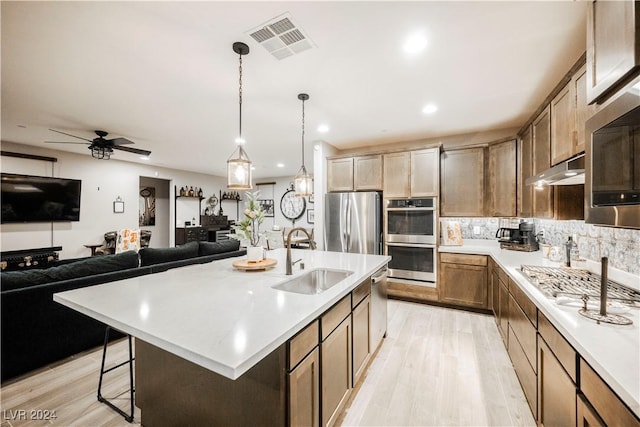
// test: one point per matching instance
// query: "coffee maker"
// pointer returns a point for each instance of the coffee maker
(522, 238)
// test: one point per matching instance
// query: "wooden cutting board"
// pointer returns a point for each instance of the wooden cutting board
(246, 265)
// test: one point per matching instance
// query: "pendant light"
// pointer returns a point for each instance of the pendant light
(239, 165)
(303, 182)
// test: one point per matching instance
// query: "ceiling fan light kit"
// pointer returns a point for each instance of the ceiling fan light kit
(239, 165)
(102, 153)
(100, 147)
(303, 182)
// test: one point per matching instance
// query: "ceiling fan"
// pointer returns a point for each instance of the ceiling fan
(100, 147)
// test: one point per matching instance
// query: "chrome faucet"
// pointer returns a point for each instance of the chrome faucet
(312, 245)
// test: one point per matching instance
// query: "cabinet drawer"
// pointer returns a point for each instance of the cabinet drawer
(463, 259)
(504, 278)
(203, 234)
(525, 373)
(336, 314)
(527, 306)
(303, 343)
(360, 292)
(524, 331)
(563, 351)
(610, 408)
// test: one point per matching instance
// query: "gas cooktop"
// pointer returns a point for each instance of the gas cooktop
(557, 281)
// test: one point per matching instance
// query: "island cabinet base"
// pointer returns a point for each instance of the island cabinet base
(171, 391)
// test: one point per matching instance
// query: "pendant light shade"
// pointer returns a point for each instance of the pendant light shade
(303, 182)
(239, 170)
(239, 165)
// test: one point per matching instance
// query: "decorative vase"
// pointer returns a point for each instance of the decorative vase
(255, 253)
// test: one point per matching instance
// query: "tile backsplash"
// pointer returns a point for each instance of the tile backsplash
(620, 245)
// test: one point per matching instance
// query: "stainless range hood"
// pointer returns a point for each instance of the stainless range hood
(569, 172)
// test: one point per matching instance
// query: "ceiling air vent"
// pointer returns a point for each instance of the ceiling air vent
(281, 37)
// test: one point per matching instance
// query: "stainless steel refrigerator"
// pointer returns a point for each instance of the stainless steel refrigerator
(353, 222)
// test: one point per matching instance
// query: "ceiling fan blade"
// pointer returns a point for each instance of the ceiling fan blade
(132, 150)
(68, 134)
(66, 142)
(119, 141)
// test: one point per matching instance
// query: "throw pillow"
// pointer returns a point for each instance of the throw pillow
(128, 240)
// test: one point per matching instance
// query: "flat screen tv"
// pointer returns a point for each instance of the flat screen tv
(28, 198)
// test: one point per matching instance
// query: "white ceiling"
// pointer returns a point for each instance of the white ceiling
(164, 75)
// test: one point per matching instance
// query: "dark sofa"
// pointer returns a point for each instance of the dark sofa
(37, 331)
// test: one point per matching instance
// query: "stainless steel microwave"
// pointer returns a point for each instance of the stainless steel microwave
(612, 180)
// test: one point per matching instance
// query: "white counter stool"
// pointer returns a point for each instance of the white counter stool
(102, 399)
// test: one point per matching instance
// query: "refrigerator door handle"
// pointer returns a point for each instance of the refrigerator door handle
(348, 224)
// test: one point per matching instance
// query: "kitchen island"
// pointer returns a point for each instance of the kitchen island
(213, 319)
(612, 351)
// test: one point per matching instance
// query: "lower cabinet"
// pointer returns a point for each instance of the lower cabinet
(336, 379)
(361, 338)
(606, 405)
(304, 392)
(586, 415)
(521, 343)
(500, 296)
(304, 377)
(462, 280)
(524, 371)
(556, 390)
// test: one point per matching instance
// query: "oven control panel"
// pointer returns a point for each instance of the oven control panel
(411, 203)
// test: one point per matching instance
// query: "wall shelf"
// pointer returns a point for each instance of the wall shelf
(177, 234)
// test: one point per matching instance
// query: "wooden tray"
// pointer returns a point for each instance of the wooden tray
(246, 265)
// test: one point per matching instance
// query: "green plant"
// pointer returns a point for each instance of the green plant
(249, 228)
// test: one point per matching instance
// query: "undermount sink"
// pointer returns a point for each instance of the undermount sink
(314, 282)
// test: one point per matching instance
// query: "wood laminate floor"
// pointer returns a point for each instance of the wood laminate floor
(437, 367)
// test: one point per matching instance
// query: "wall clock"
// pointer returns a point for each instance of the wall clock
(292, 207)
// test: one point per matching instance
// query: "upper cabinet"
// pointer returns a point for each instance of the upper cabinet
(354, 173)
(397, 174)
(525, 166)
(562, 124)
(569, 114)
(425, 172)
(502, 179)
(462, 182)
(583, 110)
(412, 173)
(541, 160)
(613, 46)
(340, 174)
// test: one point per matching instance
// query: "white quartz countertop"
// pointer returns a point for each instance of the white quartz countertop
(612, 351)
(214, 315)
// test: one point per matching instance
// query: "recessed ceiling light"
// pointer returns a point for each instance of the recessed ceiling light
(430, 109)
(323, 128)
(144, 158)
(415, 43)
(280, 165)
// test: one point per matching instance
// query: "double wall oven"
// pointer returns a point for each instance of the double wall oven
(410, 230)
